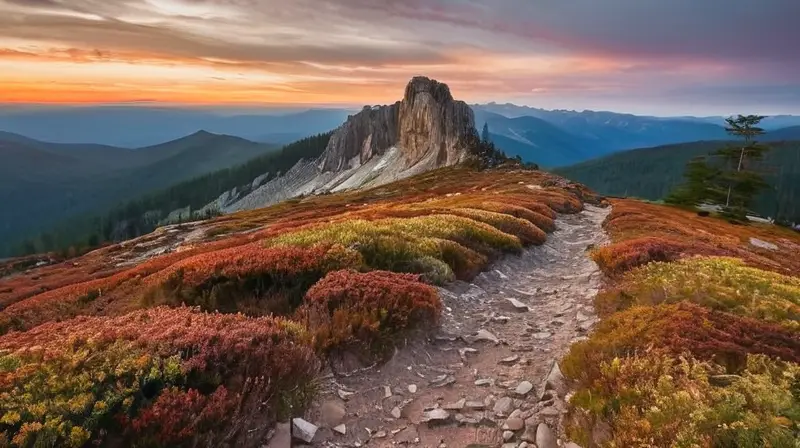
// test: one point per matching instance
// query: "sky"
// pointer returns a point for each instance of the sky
(659, 57)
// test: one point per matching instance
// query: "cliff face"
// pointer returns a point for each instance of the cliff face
(433, 126)
(428, 126)
(367, 134)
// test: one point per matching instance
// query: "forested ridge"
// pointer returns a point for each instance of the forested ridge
(651, 173)
(141, 216)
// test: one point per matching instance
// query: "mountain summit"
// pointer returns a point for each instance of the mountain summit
(427, 129)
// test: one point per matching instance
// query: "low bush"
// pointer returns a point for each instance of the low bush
(725, 284)
(95, 378)
(348, 308)
(408, 245)
(618, 258)
(250, 278)
(660, 401)
(675, 329)
(520, 228)
(544, 221)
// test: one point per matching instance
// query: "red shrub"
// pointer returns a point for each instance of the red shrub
(253, 278)
(675, 329)
(120, 364)
(347, 307)
(229, 346)
(618, 258)
(178, 416)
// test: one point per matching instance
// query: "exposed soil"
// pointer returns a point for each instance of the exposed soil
(553, 285)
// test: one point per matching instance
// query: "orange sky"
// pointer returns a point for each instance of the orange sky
(363, 51)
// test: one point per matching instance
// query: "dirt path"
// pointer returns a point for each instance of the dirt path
(463, 388)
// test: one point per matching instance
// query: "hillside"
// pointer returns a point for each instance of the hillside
(346, 291)
(141, 214)
(651, 173)
(44, 183)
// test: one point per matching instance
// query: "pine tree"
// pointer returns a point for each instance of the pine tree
(743, 183)
(731, 181)
(485, 133)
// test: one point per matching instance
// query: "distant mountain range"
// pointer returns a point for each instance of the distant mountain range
(554, 138)
(135, 126)
(42, 183)
(548, 137)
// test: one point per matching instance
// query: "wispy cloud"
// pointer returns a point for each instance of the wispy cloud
(549, 53)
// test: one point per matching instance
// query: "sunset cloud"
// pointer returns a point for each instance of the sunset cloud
(572, 53)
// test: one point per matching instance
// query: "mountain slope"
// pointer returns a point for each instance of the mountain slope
(783, 134)
(43, 183)
(534, 139)
(651, 173)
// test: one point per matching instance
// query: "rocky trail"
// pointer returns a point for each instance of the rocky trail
(489, 377)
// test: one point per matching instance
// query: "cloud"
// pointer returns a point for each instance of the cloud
(510, 48)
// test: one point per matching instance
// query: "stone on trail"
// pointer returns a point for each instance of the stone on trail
(545, 437)
(475, 405)
(341, 429)
(572, 445)
(508, 435)
(387, 392)
(457, 406)
(396, 412)
(484, 382)
(408, 435)
(504, 406)
(462, 352)
(514, 424)
(486, 335)
(436, 416)
(446, 381)
(412, 388)
(523, 388)
(510, 360)
(518, 306)
(555, 381)
(344, 395)
(303, 430)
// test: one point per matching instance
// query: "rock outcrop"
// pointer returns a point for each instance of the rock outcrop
(433, 126)
(428, 129)
(428, 126)
(364, 135)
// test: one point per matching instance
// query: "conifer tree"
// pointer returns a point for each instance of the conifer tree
(726, 177)
(743, 182)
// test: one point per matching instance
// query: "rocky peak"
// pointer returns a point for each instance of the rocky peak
(428, 127)
(433, 126)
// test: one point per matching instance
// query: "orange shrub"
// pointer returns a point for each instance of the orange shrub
(618, 258)
(349, 308)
